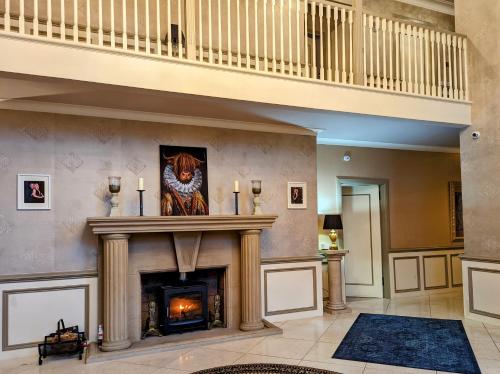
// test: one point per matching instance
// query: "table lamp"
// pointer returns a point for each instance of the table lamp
(333, 222)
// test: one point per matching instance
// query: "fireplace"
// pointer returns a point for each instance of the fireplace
(184, 307)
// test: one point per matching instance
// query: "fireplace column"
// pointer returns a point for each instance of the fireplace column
(115, 271)
(251, 313)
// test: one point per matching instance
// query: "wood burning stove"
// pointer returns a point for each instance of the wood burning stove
(184, 307)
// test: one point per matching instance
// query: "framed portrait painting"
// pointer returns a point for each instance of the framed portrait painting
(33, 192)
(184, 181)
(297, 195)
(456, 212)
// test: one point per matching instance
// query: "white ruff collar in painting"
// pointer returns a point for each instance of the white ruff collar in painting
(172, 182)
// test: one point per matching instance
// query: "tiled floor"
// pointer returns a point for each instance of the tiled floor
(308, 342)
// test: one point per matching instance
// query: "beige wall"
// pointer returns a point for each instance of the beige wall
(407, 12)
(418, 188)
(480, 21)
(80, 152)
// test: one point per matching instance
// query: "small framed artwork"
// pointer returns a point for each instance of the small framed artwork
(456, 212)
(33, 192)
(297, 195)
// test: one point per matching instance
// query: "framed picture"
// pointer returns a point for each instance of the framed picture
(33, 192)
(297, 195)
(456, 212)
(184, 181)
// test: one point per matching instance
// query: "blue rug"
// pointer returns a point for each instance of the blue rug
(422, 343)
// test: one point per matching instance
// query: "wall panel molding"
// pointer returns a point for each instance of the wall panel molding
(417, 272)
(443, 272)
(16, 278)
(472, 301)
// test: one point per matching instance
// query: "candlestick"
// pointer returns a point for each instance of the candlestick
(140, 184)
(236, 210)
(141, 205)
(114, 188)
(236, 186)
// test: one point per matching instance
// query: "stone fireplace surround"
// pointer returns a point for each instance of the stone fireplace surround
(135, 245)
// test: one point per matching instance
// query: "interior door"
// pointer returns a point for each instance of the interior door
(362, 237)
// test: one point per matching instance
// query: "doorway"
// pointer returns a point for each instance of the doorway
(364, 207)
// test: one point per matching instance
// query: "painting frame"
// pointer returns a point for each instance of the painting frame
(28, 194)
(300, 200)
(456, 212)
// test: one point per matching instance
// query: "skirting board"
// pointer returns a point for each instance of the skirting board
(291, 290)
(30, 310)
(481, 285)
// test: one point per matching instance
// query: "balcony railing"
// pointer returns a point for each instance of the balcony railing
(316, 40)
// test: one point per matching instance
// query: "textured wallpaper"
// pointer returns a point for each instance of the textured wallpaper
(80, 152)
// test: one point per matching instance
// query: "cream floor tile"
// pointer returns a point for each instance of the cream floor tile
(334, 334)
(336, 367)
(495, 334)
(323, 352)
(304, 332)
(170, 371)
(489, 366)
(283, 347)
(477, 334)
(242, 346)
(159, 360)
(256, 359)
(485, 350)
(378, 368)
(378, 306)
(200, 358)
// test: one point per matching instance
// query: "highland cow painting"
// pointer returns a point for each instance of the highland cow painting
(184, 181)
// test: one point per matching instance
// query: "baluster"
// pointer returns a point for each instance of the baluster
(314, 69)
(148, 40)
(415, 42)
(75, 21)
(247, 36)
(124, 25)
(179, 29)
(282, 46)
(274, 35)
(391, 82)
(35, 16)
(351, 72)
(100, 31)
(238, 31)
(219, 25)
(210, 50)
(384, 62)
(229, 53)
(62, 23)
(455, 79)
(158, 34)
(336, 35)
(21, 16)
(297, 22)
(370, 27)
(49, 18)
(421, 45)
(7, 15)
(410, 60)
(290, 58)
(397, 83)
(433, 74)
(445, 81)
(438, 65)
(329, 42)
(87, 28)
(377, 47)
(136, 27)
(461, 81)
(112, 22)
(404, 86)
(169, 30)
(306, 38)
(321, 57)
(450, 77)
(344, 68)
(466, 71)
(266, 69)
(365, 71)
(427, 63)
(256, 32)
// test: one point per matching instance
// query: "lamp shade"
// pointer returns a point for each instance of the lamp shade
(332, 222)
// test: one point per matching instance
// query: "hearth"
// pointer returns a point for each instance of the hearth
(184, 307)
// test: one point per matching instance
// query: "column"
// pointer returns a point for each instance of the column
(251, 312)
(115, 271)
(335, 281)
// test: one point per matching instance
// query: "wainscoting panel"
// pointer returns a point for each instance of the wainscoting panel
(292, 290)
(30, 310)
(424, 271)
(481, 284)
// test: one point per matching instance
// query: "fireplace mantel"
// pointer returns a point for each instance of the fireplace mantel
(151, 224)
(187, 232)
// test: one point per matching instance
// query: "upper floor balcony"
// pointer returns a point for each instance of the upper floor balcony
(321, 55)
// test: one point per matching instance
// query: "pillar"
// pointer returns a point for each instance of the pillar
(251, 312)
(335, 281)
(115, 292)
